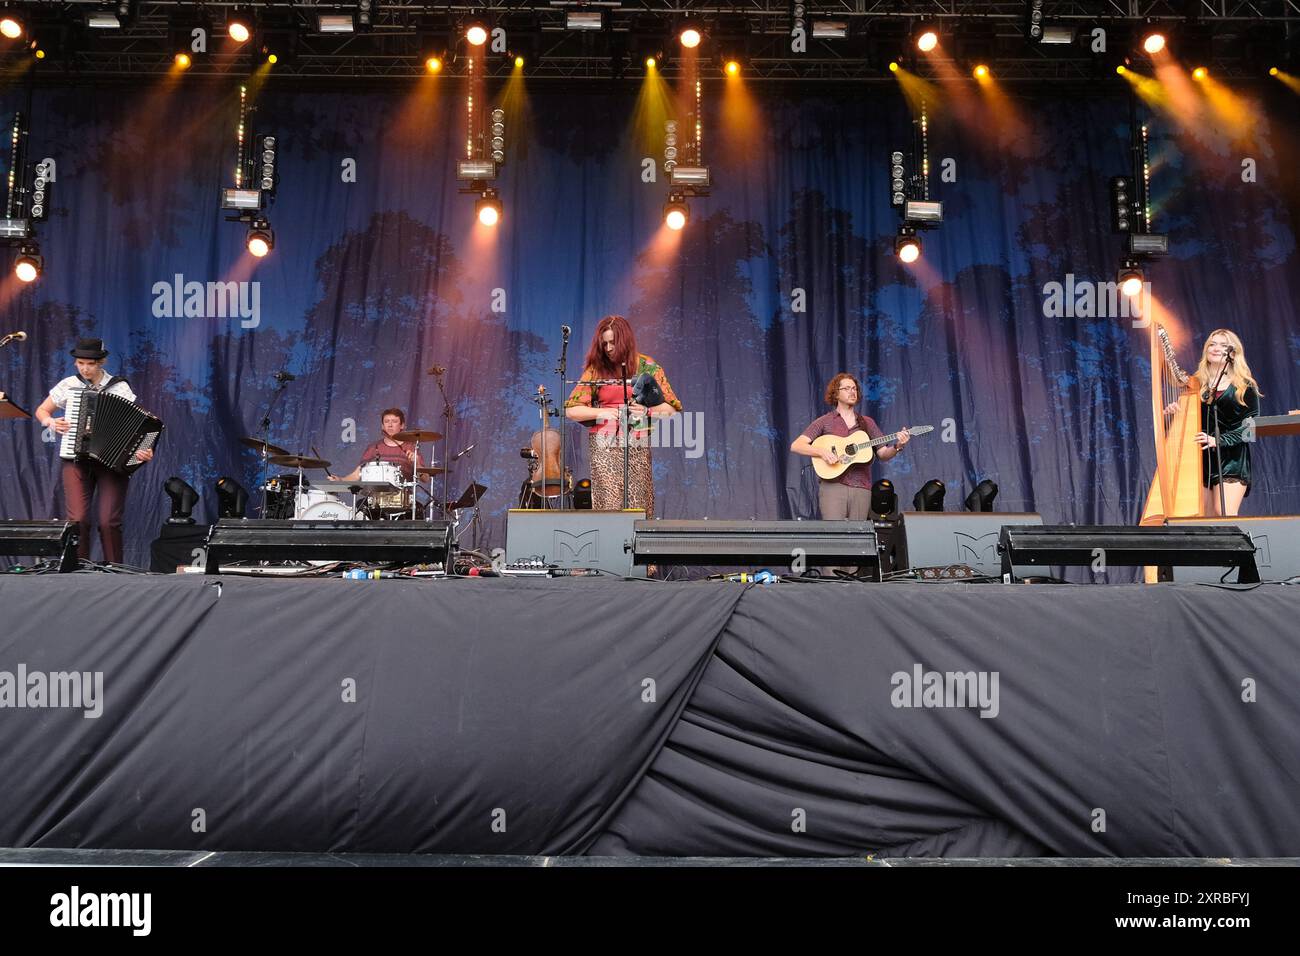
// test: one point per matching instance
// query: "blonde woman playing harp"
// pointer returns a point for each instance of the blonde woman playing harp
(1222, 384)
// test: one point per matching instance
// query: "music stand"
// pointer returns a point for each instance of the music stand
(9, 409)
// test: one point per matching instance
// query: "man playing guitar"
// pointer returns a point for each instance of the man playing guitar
(849, 494)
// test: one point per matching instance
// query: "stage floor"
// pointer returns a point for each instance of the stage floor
(526, 720)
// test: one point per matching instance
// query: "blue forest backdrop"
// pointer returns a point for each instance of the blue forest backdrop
(372, 281)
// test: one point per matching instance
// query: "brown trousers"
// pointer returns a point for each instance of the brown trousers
(80, 479)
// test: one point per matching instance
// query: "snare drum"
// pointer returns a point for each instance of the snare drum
(398, 498)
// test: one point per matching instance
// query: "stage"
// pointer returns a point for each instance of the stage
(606, 718)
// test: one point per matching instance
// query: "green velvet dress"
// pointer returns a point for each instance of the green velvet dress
(1234, 445)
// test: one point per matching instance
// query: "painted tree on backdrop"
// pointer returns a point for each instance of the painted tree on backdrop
(693, 314)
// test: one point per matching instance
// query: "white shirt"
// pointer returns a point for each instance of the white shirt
(59, 393)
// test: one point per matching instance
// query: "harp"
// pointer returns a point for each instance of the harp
(1176, 488)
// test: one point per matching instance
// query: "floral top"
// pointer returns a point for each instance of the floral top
(611, 396)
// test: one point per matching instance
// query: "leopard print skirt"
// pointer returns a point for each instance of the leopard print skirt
(607, 476)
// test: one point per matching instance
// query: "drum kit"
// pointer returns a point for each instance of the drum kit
(380, 494)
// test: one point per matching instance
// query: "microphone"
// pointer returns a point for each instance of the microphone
(283, 377)
(14, 337)
(467, 451)
(566, 331)
(1231, 352)
(436, 370)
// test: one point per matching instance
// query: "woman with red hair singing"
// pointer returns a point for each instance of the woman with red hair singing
(613, 359)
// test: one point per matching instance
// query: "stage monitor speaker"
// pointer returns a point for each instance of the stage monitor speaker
(1118, 546)
(572, 539)
(41, 539)
(940, 539)
(372, 542)
(749, 543)
(1277, 548)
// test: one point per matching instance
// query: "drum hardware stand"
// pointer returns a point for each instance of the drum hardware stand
(280, 386)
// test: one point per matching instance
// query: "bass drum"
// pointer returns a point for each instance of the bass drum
(331, 510)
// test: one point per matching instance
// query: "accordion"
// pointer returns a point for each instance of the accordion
(108, 429)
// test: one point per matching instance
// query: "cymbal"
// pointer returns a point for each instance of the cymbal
(417, 434)
(431, 470)
(256, 445)
(298, 461)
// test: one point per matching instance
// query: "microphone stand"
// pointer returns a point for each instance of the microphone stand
(1218, 454)
(626, 421)
(280, 386)
(437, 374)
(561, 370)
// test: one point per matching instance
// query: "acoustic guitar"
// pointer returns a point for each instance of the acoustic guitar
(856, 449)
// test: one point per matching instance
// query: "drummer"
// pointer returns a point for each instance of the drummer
(386, 449)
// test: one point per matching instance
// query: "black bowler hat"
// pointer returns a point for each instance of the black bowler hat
(90, 349)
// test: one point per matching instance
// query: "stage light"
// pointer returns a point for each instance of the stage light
(1131, 279)
(238, 31)
(923, 210)
(29, 264)
(907, 245)
(930, 497)
(1153, 43)
(884, 500)
(732, 68)
(694, 176)
(183, 60)
(676, 212)
(183, 497)
(488, 208)
(981, 499)
(519, 62)
(1148, 244)
(582, 495)
(897, 184)
(475, 170)
(650, 62)
(690, 38)
(40, 54)
(260, 238)
(893, 66)
(927, 40)
(1121, 205)
(1200, 73)
(336, 23)
(1272, 71)
(584, 20)
(272, 59)
(1034, 20)
(433, 64)
(981, 72)
(11, 28)
(232, 499)
(103, 20)
(1121, 69)
(476, 34)
(830, 29)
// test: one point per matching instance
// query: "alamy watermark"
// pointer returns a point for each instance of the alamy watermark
(82, 690)
(922, 688)
(678, 430)
(208, 300)
(1087, 299)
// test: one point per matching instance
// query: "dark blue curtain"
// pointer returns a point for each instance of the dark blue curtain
(373, 281)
